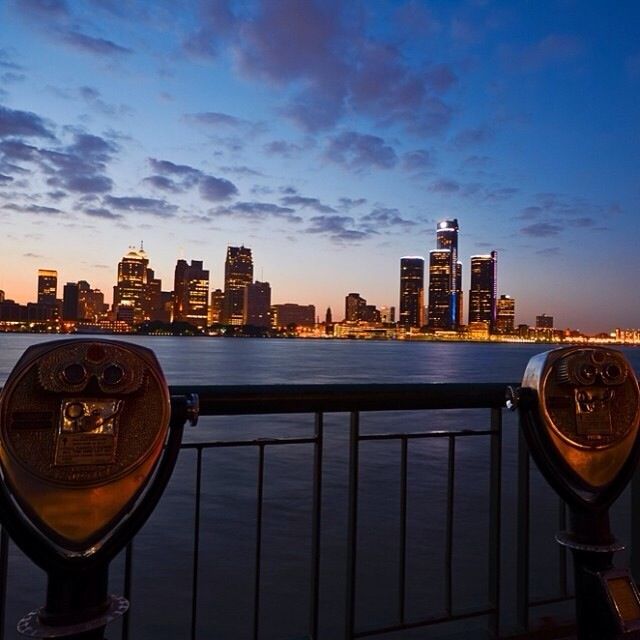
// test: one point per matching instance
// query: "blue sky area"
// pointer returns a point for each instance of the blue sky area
(329, 137)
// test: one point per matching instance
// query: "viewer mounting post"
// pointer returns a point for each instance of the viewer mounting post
(579, 409)
(89, 437)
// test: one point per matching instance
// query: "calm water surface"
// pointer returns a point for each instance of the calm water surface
(164, 549)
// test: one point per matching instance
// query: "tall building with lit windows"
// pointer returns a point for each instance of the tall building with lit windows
(191, 293)
(447, 240)
(238, 274)
(354, 307)
(411, 291)
(483, 292)
(439, 306)
(129, 295)
(47, 286)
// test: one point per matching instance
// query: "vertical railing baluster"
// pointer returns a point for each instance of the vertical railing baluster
(495, 515)
(562, 553)
(128, 568)
(352, 524)
(449, 526)
(4, 568)
(256, 587)
(402, 578)
(522, 571)
(316, 520)
(196, 544)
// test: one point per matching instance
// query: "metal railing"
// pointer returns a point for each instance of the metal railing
(354, 400)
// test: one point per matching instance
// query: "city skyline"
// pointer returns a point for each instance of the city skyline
(429, 295)
(330, 137)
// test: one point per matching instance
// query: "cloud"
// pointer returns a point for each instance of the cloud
(5, 179)
(23, 123)
(351, 203)
(340, 229)
(216, 20)
(359, 151)
(548, 252)
(43, 9)
(171, 168)
(583, 221)
(307, 203)
(386, 217)
(31, 208)
(282, 148)
(257, 211)
(102, 212)
(151, 206)
(164, 184)
(7, 62)
(417, 160)
(216, 189)
(242, 171)
(9, 77)
(94, 100)
(223, 121)
(95, 46)
(80, 166)
(444, 185)
(57, 21)
(327, 63)
(541, 230)
(180, 177)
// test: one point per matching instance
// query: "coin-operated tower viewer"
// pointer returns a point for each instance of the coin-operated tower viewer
(89, 437)
(580, 412)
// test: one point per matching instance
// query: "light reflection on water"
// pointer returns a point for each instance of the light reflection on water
(163, 550)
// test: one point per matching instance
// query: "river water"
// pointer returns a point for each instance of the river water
(163, 550)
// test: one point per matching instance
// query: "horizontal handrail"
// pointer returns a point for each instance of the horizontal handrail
(309, 398)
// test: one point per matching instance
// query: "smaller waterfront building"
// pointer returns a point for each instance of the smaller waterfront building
(285, 315)
(544, 322)
(505, 315)
(257, 304)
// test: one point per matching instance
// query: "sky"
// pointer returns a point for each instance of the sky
(330, 137)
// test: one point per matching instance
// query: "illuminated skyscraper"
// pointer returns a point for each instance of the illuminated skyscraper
(505, 314)
(447, 239)
(439, 309)
(70, 301)
(354, 307)
(238, 274)
(257, 304)
(191, 293)
(411, 292)
(153, 304)
(47, 286)
(216, 306)
(129, 295)
(483, 292)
